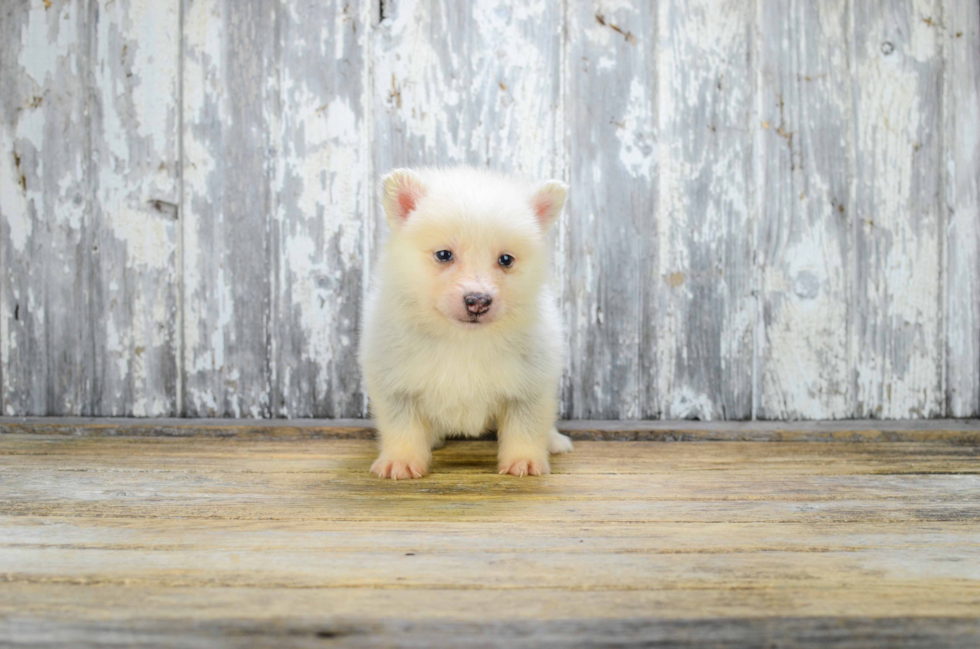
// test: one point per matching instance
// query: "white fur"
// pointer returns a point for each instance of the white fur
(432, 368)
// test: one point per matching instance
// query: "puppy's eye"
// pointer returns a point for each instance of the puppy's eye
(444, 255)
(506, 261)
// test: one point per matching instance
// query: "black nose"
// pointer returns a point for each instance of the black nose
(477, 303)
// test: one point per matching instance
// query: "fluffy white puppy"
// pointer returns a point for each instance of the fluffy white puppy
(462, 332)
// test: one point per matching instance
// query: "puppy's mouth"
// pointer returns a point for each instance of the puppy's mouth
(472, 321)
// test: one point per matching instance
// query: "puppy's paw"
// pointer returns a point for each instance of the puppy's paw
(558, 443)
(396, 469)
(523, 467)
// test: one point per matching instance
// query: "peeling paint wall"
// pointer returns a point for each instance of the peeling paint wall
(774, 208)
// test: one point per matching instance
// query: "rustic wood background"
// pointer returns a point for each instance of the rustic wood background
(774, 208)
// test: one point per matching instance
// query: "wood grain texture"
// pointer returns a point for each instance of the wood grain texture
(322, 191)
(803, 251)
(48, 342)
(962, 122)
(191, 540)
(609, 238)
(134, 150)
(51, 320)
(897, 303)
(706, 313)
(230, 108)
(583, 631)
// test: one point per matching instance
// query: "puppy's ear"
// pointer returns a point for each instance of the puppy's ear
(400, 193)
(547, 202)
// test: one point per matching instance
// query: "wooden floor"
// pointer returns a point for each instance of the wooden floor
(271, 540)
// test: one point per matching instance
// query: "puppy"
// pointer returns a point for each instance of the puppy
(462, 332)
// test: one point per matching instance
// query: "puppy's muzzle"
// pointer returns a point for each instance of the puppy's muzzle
(477, 303)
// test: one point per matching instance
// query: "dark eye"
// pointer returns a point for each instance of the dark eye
(444, 255)
(506, 261)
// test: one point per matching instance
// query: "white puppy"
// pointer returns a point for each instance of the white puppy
(462, 333)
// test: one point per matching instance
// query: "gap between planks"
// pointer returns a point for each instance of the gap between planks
(952, 431)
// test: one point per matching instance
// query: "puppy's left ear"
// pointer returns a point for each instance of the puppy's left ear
(547, 202)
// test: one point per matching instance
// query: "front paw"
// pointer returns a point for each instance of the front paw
(399, 469)
(524, 466)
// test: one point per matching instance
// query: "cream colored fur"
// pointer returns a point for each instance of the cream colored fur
(434, 369)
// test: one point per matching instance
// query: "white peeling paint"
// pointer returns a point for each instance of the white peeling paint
(638, 148)
(899, 363)
(148, 238)
(687, 404)
(705, 84)
(962, 142)
(45, 39)
(13, 199)
(804, 367)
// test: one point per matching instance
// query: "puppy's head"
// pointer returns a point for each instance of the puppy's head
(468, 248)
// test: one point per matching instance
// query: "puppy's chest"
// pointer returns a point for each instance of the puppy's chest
(467, 372)
(461, 388)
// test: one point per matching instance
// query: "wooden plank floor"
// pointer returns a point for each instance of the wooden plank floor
(245, 540)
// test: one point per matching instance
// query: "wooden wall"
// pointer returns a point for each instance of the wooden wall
(774, 208)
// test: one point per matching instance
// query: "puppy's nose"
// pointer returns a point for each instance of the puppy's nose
(477, 303)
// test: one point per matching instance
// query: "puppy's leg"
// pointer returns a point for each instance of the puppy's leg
(405, 442)
(523, 434)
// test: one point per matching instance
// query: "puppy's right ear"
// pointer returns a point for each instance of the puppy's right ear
(400, 193)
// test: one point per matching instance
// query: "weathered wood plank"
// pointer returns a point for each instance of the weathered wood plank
(962, 148)
(897, 303)
(230, 107)
(49, 340)
(490, 568)
(54, 615)
(134, 142)
(201, 479)
(465, 479)
(89, 209)
(706, 315)
(256, 456)
(806, 155)
(322, 203)
(169, 535)
(609, 239)
(933, 455)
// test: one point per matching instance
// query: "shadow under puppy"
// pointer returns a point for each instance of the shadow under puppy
(461, 332)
